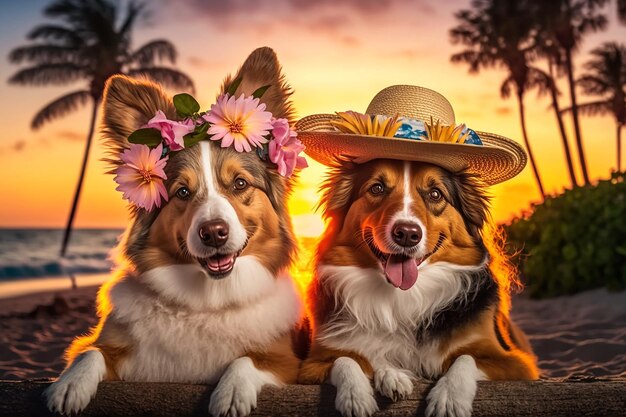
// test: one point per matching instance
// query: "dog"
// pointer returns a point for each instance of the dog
(199, 295)
(406, 286)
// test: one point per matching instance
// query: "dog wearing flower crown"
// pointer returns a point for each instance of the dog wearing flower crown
(408, 282)
(202, 292)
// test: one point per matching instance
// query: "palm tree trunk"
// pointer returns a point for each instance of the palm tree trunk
(559, 119)
(522, 116)
(619, 147)
(572, 91)
(79, 186)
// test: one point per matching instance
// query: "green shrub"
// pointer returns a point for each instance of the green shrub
(574, 241)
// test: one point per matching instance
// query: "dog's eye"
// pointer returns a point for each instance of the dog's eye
(435, 194)
(183, 193)
(240, 184)
(377, 189)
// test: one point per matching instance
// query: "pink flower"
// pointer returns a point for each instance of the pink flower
(285, 147)
(141, 176)
(172, 131)
(242, 121)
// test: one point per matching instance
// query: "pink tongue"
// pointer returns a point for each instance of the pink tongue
(401, 271)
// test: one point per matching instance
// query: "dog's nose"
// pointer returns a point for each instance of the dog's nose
(214, 233)
(406, 234)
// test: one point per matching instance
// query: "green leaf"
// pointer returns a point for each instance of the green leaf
(196, 136)
(186, 105)
(258, 93)
(148, 136)
(234, 85)
(192, 138)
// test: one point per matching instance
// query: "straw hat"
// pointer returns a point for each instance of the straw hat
(494, 158)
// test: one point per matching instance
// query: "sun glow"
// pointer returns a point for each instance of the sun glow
(501, 267)
(308, 229)
(307, 222)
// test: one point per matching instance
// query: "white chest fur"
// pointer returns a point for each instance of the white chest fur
(178, 344)
(379, 321)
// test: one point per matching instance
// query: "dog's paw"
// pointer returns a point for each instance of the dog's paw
(454, 393)
(77, 385)
(233, 399)
(68, 397)
(355, 396)
(355, 401)
(450, 399)
(393, 383)
(236, 393)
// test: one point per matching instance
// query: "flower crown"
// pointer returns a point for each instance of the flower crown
(240, 122)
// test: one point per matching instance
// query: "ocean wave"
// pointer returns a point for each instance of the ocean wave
(32, 253)
(48, 269)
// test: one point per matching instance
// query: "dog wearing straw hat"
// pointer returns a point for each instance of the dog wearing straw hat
(409, 282)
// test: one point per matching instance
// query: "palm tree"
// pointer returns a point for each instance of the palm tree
(546, 83)
(493, 39)
(566, 22)
(606, 78)
(91, 42)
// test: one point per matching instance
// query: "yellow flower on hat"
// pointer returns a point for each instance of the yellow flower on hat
(364, 124)
(438, 133)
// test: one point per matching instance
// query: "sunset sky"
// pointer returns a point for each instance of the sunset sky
(336, 54)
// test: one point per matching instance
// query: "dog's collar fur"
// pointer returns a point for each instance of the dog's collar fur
(362, 298)
(480, 293)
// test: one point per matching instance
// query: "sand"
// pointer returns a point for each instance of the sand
(575, 337)
(35, 331)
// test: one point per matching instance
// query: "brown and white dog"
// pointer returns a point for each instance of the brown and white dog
(403, 288)
(202, 292)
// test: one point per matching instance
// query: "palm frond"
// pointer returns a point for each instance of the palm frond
(465, 33)
(541, 80)
(167, 76)
(93, 20)
(475, 59)
(592, 23)
(46, 53)
(593, 85)
(505, 87)
(55, 32)
(621, 11)
(606, 70)
(492, 40)
(59, 8)
(43, 74)
(97, 19)
(60, 107)
(564, 23)
(133, 12)
(149, 53)
(76, 11)
(594, 108)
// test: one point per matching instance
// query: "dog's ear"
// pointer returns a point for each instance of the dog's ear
(337, 190)
(127, 105)
(472, 201)
(262, 68)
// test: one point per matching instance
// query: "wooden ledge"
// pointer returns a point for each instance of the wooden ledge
(542, 398)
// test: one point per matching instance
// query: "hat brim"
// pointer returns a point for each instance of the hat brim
(497, 160)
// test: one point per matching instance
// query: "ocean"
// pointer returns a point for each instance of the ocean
(34, 253)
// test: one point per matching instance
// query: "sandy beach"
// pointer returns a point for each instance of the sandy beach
(575, 337)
